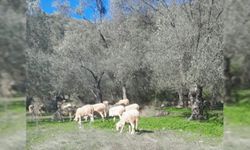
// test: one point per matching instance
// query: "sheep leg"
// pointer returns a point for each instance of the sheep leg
(86, 118)
(105, 113)
(133, 128)
(80, 122)
(129, 128)
(122, 128)
(114, 119)
(101, 116)
(70, 116)
(136, 124)
(92, 118)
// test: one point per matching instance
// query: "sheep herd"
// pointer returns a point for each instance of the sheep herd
(127, 113)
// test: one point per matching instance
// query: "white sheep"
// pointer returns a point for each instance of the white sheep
(105, 102)
(116, 111)
(131, 117)
(123, 102)
(84, 111)
(101, 108)
(132, 106)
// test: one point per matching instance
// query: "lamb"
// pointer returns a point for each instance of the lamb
(131, 117)
(132, 106)
(101, 108)
(123, 102)
(116, 111)
(84, 111)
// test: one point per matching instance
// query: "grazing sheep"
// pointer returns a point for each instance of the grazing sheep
(105, 102)
(123, 102)
(101, 109)
(35, 110)
(116, 111)
(132, 106)
(84, 111)
(131, 117)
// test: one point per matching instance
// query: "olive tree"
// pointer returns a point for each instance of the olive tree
(189, 48)
(81, 58)
(128, 44)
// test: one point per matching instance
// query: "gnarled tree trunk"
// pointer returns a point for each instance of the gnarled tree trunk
(197, 104)
(98, 94)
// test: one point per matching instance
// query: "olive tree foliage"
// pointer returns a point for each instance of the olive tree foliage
(65, 56)
(129, 45)
(188, 47)
(82, 59)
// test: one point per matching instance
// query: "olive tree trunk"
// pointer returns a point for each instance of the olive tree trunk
(183, 98)
(197, 104)
(180, 100)
(97, 92)
(124, 92)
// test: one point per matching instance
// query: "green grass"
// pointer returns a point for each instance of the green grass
(176, 121)
(12, 116)
(37, 132)
(239, 113)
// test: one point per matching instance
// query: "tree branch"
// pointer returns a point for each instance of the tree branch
(99, 80)
(93, 93)
(89, 70)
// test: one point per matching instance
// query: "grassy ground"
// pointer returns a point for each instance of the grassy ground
(238, 114)
(237, 122)
(174, 126)
(12, 124)
(177, 121)
(168, 132)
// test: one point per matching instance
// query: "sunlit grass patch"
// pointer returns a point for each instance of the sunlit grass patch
(238, 113)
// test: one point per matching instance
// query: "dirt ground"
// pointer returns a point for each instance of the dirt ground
(236, 138)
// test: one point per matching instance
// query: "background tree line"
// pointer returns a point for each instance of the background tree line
(146, 48)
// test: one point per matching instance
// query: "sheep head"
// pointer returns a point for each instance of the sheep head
(119, 125)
